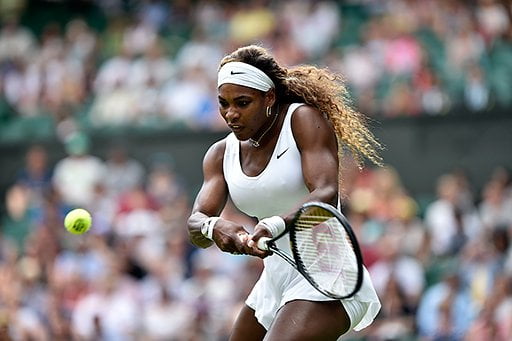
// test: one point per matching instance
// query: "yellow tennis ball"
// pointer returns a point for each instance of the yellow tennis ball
(78, 221)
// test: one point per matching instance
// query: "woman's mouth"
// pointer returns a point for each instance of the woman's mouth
(235, 128)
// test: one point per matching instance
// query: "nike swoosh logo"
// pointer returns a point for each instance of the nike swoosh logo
(281, 154)
(237, 73)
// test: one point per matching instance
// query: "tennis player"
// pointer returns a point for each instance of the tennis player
(289, 128)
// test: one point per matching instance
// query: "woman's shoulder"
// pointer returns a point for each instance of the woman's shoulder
(303, 113)
(308, 124)
(216, 150)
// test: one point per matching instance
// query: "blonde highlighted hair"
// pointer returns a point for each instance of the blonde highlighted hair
(322, 89)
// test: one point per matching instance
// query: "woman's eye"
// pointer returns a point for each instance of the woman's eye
(243, 103)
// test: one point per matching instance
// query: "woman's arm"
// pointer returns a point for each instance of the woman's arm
(210, 201)
(317, 144)
(212, 196)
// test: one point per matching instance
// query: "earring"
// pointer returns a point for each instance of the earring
(269, 112)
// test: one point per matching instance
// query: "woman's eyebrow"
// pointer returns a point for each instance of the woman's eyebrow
(237, 98)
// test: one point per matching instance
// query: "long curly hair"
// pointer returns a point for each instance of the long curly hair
(322, 89)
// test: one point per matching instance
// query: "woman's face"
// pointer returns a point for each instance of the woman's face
(244, 109)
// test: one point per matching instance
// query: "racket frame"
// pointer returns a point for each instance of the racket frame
(297, 263)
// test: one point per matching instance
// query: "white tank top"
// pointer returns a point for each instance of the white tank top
(279, 187)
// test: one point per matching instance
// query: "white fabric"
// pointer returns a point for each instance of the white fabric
(244, 74)
(280, 283)
(275, 190)
(208, 225)
(275, 225)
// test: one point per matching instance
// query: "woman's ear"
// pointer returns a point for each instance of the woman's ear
(270, 97)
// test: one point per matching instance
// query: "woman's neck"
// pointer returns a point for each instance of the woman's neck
(256, 142)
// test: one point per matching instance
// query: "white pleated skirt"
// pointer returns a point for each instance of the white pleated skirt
(280, 283)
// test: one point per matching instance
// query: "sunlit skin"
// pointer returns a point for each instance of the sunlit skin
(244, 109)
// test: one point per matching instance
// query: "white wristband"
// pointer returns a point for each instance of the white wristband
(275, 225)
(208, 225)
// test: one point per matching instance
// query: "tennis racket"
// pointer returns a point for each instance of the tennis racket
(324, 248)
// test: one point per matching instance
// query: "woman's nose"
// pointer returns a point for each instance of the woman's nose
(232, 115)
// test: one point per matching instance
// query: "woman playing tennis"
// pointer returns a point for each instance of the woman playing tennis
(289, 129)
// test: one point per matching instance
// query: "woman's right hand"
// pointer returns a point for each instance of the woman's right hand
(230, 237)
(252, 242)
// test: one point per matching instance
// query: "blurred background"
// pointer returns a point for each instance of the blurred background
(110, 105)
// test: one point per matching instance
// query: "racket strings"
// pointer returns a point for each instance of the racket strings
(326, 251)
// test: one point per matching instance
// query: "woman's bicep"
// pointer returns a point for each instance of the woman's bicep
(211, 197)
(317, 144)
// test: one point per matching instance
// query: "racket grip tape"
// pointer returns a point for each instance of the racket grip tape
(262, 243)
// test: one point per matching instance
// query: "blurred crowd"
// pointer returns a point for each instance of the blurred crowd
(133, 276)
(442, 268)
(155, 61)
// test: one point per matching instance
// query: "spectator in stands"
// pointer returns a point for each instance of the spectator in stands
(492, 18)
(139, 36)
(109, 311)
(114, 72)
(496, 206)
(154, 14)
(477, 95)
(394, 265)
(447, 220)
(251, 21)
(482, 264)
(314, 26)
(17, 223)
(81, 40)
(137, 215)
(16, 41)
(168, 318)
(210, 292)
(123, 173)
(503, 311)
(446, 309)
(188, 99)
(200, 52)
(37, 174)
(396, 318)
(78, 173)
(115, 107)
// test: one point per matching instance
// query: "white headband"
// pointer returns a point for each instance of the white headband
(244, 74)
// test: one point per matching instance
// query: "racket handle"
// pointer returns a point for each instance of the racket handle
(262, 243)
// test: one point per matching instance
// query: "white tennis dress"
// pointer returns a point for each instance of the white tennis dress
(277, 190)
